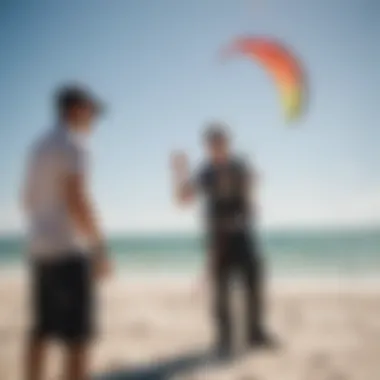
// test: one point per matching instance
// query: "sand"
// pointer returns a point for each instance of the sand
(161, 329)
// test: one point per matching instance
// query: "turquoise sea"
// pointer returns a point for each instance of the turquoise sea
(345, 252)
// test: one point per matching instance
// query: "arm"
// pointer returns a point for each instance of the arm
(81, 209)
(26, 200)
(83, 214)
(26, 193)
(184, 189)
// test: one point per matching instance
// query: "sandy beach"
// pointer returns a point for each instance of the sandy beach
(161, 329)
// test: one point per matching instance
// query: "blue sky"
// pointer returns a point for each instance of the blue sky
(156, 65)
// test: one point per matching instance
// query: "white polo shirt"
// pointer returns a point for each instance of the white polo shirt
(51, 232)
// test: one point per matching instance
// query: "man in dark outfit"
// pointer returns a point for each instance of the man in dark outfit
(226, 183)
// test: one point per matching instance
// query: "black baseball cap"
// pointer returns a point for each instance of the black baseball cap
(216, 131)
(73, 95)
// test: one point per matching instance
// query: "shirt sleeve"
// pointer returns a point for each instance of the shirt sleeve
(76, 159)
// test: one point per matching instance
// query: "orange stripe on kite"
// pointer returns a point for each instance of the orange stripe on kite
(281, 64)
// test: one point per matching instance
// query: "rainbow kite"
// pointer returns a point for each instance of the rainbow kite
(281, 64)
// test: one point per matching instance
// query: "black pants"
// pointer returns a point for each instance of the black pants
(236, 253)
(62, 299)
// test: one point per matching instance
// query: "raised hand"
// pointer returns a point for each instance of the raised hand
(179, 163)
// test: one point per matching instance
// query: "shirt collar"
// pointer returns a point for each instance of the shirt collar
(64, 130)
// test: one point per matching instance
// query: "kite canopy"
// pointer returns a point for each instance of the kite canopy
(281, 64)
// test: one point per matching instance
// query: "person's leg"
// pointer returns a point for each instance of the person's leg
(76, 367)
(221, 300)
(255, 297)
(251, 268)
(36, 344)
(35, 358)
(76, 310)
(222, 311)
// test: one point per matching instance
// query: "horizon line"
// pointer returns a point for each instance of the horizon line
(263, 229)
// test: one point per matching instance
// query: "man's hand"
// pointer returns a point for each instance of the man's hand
(184, 191)
(102, 267)
(180, 165)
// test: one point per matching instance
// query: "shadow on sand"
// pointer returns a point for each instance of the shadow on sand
(163, 370)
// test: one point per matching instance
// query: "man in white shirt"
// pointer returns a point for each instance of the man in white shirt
(66, 246)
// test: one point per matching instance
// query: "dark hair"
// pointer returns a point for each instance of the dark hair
(71, 96)
(216, 131)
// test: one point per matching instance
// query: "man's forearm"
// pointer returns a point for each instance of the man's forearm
(83, 214)
(184, 192)
(183, 189)
(86, 222)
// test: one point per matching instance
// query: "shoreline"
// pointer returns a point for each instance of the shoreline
(183, 281)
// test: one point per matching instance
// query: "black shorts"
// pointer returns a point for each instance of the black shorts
(63, 299)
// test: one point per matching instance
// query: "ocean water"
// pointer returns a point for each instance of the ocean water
(329, 253)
